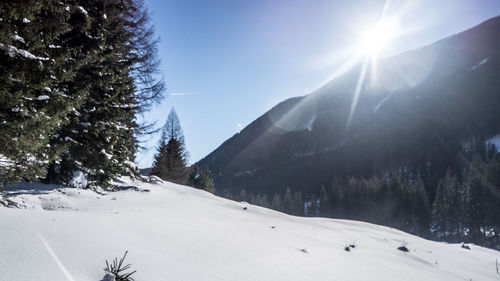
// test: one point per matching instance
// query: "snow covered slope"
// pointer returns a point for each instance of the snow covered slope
(173, 232)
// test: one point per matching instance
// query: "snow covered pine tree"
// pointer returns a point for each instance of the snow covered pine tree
(73, 76)
(40, 52)
(123, 82)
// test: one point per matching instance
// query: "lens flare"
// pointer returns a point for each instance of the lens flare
(378, 38)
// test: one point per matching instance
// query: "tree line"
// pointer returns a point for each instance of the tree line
(465, 207)
(74, 74)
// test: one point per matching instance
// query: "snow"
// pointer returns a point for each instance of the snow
(14, 79)
(5, 162)
(173, 232)
(43, 97)
(18, 38)
(130, 105)
(109, 156)
(79, 180)
(494, 140)
(83, 10)
(25, 20)
(480, 63)
(12, 51)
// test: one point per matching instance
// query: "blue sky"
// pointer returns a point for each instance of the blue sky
(226, 62)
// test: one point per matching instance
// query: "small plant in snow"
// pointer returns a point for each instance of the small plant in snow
(349, 247)
(403, 248)
(118, 269)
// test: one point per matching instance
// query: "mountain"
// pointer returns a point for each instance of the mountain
(174, 232)
(413, 117)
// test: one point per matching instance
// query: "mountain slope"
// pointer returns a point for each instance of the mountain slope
(174, 232)
(427, 100)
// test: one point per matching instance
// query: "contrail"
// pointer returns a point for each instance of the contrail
(56, 259)
(179, 94)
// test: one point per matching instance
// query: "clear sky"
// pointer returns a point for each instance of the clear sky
(226, 62)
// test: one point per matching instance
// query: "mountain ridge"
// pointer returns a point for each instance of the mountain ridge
(406, 82)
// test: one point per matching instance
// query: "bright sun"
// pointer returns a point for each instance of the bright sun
(378, 38)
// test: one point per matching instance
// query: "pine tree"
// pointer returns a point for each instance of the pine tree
(288, 201)
(276, 203)
(421, 210)
(323, 201)
(493, 180)
(202, 179)
(243, 196)
(102, 133)
(476, 198)
(439, 209)
(171, 159)
(298, 204)
(41, 49)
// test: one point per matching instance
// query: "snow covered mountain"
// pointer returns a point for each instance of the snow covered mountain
(174, 232)
(412, 115)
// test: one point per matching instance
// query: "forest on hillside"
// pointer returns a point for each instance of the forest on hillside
(464, 208)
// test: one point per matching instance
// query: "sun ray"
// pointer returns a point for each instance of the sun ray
(357, 91)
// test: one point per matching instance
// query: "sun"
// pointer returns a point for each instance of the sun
(378, 38)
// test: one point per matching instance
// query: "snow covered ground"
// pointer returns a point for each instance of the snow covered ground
(173, 232)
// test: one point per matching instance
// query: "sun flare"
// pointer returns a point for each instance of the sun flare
(378, 38)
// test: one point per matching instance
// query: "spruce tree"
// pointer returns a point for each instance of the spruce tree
(476, 200)
(41, 49)
(298, 204)
(277, 202)
(202, 179)
(439, 209)
(102, 133)
(171, 159)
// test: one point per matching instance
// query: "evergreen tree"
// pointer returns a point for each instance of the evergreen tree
(202, 179)
(298, 204)
(243, 196)
(476, 200)
(323, 201)
(438, 210)
(421, 211)
(171, 159)
(288, 201)
(493, 180)
(102, 134)
(41, 49)
(277, 202)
